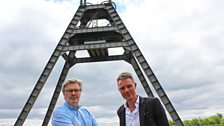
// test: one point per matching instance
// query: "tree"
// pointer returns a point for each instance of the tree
(216, 120)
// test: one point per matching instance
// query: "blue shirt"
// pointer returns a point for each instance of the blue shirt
(66, 115)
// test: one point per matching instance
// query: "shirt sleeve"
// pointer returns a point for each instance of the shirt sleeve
(92, 118)
(61, 118)
(94, 121)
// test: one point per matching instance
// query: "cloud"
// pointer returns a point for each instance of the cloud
(181, 40)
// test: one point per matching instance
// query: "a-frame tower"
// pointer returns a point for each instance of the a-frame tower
(95, 39)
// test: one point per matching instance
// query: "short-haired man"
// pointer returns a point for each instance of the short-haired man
(138, 111)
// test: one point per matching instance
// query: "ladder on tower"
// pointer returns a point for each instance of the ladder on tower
(96, 41)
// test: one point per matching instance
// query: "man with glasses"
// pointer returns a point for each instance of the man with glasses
(71, 113)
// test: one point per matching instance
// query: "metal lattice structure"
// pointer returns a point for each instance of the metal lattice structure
(96, 40)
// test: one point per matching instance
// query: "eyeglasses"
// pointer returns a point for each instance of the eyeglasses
(75, 90)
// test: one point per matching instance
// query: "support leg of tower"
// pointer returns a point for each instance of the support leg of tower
(155, 83)
(140, 75)
(48, 68)
(56, 94)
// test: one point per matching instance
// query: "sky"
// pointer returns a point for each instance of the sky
(182, 41)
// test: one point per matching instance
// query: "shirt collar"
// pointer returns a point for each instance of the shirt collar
(70, 106)
(136, 103)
